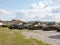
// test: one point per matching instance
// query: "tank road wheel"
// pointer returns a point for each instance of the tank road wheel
(58, 29)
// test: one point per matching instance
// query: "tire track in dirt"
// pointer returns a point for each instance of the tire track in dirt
(43, 36)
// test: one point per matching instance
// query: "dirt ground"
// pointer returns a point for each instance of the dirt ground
(51, 37)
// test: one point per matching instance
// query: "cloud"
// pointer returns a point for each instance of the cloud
(56, 10)
(41, 11)
(40, 6)
(2, 11)
(56, 0)
(57, 17)
(6, 15)
(45, 10)
(24, 14)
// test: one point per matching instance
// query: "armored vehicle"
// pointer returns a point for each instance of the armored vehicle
(35, 26)
(16, 26)
(13, 26)
(21, 25)
(49, 26)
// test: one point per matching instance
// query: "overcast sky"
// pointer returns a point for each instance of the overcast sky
(30, 10)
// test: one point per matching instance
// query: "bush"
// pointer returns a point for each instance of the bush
(4, 26)
(13, 26)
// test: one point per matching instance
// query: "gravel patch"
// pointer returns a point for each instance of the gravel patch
(51, 37)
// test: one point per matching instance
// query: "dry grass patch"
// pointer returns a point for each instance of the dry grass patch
(14, 37)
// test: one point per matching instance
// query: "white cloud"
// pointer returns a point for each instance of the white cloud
(38, 11)
(41, 10)
(2, 11)
(39, 5)
(56, 0)
(6, 15)
(57, 17)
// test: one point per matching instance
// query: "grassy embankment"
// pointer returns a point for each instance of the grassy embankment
(14, 37)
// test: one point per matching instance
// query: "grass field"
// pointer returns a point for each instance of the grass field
(14, 37)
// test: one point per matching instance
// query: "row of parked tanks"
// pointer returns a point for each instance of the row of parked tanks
(36, 26)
